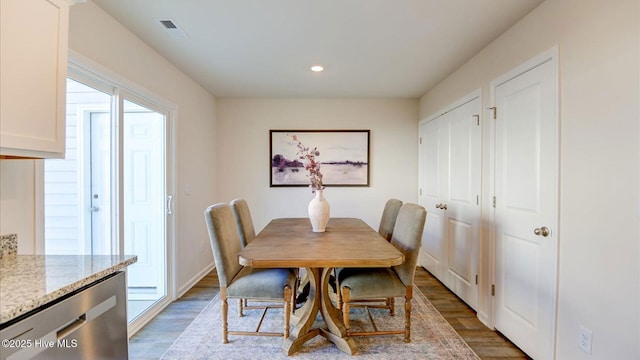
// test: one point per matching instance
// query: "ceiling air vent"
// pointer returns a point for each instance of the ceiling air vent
(172, 28)
(168, 24)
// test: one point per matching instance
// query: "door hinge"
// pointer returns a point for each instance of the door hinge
(477, 119)
(494, 201)
(420, 192)
(476, 279)
(493, 290)
(420, 140)
(477, 199)
(495, 112)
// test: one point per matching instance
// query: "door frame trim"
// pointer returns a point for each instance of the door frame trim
(477, 93)
(550, 55)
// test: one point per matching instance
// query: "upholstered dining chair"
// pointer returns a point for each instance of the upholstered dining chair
(243, 218)
(247, 234)
(362, 284)
(388, 220)
(387, 223)
(240, 282)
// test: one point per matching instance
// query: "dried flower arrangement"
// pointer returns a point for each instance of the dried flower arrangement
(308, 157)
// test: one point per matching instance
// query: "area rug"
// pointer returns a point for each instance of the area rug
(431, 336)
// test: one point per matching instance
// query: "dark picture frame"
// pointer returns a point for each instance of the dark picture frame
(344, 157)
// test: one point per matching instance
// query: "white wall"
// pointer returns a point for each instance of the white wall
(599, 262)
(243, 153)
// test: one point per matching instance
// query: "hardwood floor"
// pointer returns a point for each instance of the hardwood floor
(156, 337)
(488, 344)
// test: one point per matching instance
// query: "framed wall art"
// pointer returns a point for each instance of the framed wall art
(343, 156)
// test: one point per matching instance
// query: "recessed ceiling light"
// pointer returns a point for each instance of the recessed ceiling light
(317, 68)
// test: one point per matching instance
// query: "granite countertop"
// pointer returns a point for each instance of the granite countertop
(30, 281)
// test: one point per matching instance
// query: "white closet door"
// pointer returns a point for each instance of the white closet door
(526, 190)
(433, 163)
(462, 211)
(450, 181)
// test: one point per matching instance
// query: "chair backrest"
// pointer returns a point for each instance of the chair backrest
(243, 218)
(407, 237)
(388, 220)
(225, 241)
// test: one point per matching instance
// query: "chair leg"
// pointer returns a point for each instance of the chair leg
(296, 284)
(224, 306)
(407, 314)
(288, 300)
(339, 296)
(241, 303)
(346, 297)
(391, 303)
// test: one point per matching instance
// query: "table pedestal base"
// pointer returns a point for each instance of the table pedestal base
(319, 300)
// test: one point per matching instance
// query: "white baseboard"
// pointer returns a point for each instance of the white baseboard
(194, 280)
(485, 319)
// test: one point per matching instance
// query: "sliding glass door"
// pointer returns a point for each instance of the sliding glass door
(144, 193)
(108, 196)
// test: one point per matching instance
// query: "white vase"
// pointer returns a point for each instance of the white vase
(319, 212)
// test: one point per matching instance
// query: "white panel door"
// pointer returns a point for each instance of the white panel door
(462, 204)
(526, 190)
(144, 200)
(433, 162)
(450, 183)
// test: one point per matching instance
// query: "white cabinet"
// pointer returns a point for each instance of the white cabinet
(33, 71)
(450, 185)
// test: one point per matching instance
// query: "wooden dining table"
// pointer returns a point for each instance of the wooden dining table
(291, 243)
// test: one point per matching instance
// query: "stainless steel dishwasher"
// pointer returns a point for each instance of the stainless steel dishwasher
(90, 323)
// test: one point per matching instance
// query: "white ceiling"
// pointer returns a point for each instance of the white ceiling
(370, 48)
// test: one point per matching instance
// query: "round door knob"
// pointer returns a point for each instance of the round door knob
(544, 231)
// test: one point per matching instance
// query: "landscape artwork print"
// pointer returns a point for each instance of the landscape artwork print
(343, 156)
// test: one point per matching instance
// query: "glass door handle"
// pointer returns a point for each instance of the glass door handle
(169, 200)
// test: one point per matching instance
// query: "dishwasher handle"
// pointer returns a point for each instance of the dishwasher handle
(73, 326)
(93, 313)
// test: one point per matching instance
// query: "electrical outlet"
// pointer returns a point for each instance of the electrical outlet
(584, 340)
